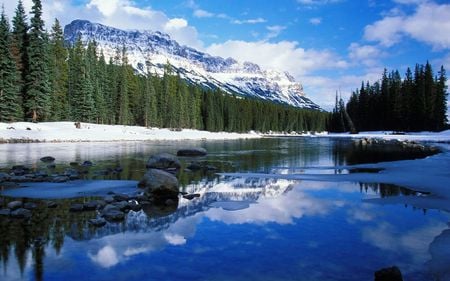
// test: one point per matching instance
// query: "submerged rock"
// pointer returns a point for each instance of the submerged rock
(87, 163)
(30, 205)
(198, 151)
(51, 204)
(14, 205)
(163, 161)
(47, 159)
(5, 212)
(60, 179)
(76, 207)
(120, 197)
(159, 184)
(90, 206)
(112, 213)
(97, 222)
(389, 274)
(21, 213)
(191, 196)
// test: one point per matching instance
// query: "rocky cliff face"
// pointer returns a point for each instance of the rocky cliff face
(149, 52)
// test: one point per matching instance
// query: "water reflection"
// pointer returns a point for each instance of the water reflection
(239, 228)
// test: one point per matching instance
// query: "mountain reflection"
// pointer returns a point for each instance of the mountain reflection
(251, 212)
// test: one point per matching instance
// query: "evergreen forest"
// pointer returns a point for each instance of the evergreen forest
(43, 79)
(418, 102)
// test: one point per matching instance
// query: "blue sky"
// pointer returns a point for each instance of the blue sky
(327, 45)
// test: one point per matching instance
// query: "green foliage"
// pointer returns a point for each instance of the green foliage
(416, 103)
(37, 100)
(58, 68)
(76, 83)
(10, 101)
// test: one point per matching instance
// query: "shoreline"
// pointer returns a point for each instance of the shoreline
(66, 132)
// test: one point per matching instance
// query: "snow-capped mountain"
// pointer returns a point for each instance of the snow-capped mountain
(150, 51)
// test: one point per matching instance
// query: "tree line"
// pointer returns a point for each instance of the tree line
(418, 102)
(44, 79)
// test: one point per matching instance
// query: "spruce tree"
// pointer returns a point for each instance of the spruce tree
(58, 74)
(37, 100)
(10, 109)
(19, 47)
(440, 106)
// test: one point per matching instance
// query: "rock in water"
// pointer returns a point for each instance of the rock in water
(389, 274)
(14, 205)
(112, 213)
(200, 151)
(191, 196)
(21, 213)
(97, 222)
(48, 159)
(77, 207)
(159, 184)
(163, 161)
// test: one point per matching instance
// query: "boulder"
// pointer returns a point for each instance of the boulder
(51, 204)
(30, 205)
(159, 184)
(163, 161)
(120, 197)
(60, 179)
(87, 163)
(17, 178)
(13, 205)
(76, 207)
(48, 159)
(91, 205)
(122, 205)
(134, 206)
(4, 177)
(5, 212)
(388, 274)
(21, 213)
(112, 213)
(194, 152)
(97, 222)
(191, 196)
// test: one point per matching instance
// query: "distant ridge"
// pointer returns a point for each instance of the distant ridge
(150, 51)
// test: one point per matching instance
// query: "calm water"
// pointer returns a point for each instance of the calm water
(239, 229)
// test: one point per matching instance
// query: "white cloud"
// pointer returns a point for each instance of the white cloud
(410, 2)
(300, 62)
(107, 8)
(366, 54)
(249, 21)
(176, 23)
(317, 2)
(106, 257)
(124, 14)
(429, 24)
(199, 13)
(175, 239)
(274, 31)
(283, 55)
(315, 21)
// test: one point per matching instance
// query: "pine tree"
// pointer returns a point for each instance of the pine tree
(10, 109)
(58, 74)
(19, 48)
(440, 106)
(124, 115)
(37, 100)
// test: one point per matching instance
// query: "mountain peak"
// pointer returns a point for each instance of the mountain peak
(149, 51)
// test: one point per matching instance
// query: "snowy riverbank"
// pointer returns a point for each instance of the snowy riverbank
(67, 132)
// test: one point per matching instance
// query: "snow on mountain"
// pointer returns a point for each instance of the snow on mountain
(150, 51)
